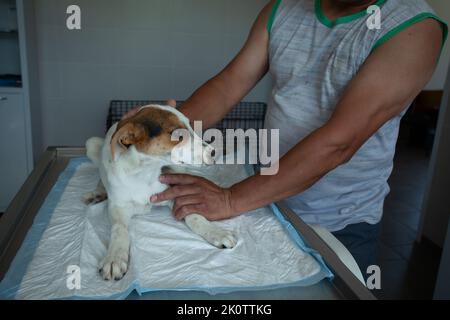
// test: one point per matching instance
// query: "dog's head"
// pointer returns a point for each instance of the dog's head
(152, 131)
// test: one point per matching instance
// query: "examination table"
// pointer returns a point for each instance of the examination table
(347, 282)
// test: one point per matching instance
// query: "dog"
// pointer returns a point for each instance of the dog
(130, 159)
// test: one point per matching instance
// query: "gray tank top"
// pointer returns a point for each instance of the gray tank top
(312, 59)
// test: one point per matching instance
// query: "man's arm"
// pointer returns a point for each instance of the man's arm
(385, 85)
(213, 100)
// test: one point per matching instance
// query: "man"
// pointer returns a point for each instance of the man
(340, 90)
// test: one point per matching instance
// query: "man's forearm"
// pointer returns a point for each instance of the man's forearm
(299, 169)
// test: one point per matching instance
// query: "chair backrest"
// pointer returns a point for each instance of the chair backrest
(244, 115)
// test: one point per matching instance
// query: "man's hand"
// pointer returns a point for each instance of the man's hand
(195, 195)
(132, 112)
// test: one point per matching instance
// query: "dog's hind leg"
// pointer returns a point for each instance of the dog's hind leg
(216, 236)
(115, 264)
(96, 196)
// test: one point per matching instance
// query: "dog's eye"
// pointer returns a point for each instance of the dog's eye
(125, 143)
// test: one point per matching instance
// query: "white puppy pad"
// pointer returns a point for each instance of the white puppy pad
(61, 255)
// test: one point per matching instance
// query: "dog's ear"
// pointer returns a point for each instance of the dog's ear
(126, 135)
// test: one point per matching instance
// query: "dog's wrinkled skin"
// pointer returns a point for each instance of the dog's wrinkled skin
(130, 160)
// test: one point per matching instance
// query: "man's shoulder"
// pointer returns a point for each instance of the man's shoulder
(399, 15)
(395, 12)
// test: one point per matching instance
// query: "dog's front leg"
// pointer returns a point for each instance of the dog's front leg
(216, 236)
(115, 264)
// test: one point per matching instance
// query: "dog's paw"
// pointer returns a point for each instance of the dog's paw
(221, 239)
(114, 266)
(94, 197)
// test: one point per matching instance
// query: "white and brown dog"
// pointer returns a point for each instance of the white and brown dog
(130, 160)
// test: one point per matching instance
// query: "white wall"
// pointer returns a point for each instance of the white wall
(134, 49)
(442, 8)
(141, 49)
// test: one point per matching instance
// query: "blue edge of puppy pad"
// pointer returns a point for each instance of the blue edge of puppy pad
(13, 278)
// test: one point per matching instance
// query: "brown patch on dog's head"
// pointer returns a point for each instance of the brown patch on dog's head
(150, 131)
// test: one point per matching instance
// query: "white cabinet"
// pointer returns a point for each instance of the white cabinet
(17, 91)
(14, 165)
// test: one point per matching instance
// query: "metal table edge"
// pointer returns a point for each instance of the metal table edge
(349, 284)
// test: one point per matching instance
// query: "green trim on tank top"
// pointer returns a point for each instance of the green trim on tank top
(272, 15)
(408, 23)
(345, 19)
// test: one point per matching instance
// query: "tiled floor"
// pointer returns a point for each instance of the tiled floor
(408, 268)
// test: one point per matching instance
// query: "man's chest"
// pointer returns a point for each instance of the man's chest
(311, 55)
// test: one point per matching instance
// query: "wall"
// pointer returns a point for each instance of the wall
(138, 49)
(141, 49)
(442, 8)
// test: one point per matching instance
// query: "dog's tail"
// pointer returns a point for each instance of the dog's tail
(94, 149)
